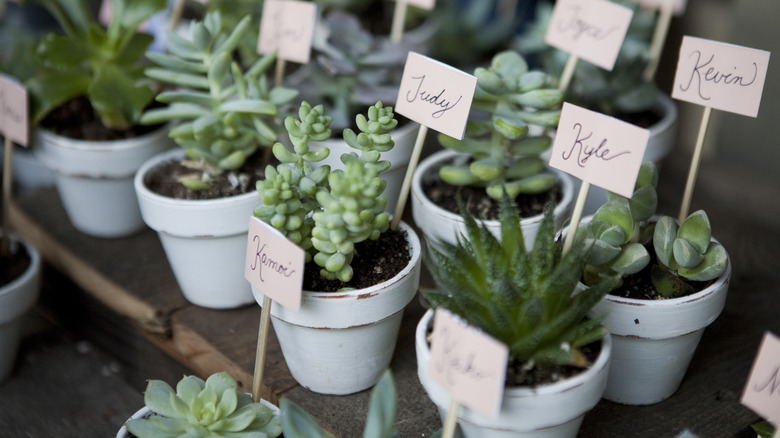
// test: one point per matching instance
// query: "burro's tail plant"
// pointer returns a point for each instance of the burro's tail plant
(505, 155)
(526, 300)
(225, 114)
(327, 212)
(619, 230)
(685, 253)
(210, 409)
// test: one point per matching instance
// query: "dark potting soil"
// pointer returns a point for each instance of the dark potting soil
(516, 375)
(77, 119)
(374, 261)
(482, 206)
(13, 265)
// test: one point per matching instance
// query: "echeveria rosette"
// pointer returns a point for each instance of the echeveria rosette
(504, 155)
(208, 409)
(685, 252)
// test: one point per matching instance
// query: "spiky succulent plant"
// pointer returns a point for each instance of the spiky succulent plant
(685, 252)
(526, 300)
(327, 212)
(225, 114)
(505, 155)
(208, 409)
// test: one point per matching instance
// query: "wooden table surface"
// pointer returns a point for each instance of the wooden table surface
(131, 279)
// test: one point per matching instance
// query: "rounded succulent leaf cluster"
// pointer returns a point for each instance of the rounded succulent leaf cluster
(505, 156)
(209, 409)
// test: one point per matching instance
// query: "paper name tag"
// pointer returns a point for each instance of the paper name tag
(599, 149)
(721, 76)
(762, 391)
(467, 363)
(592, 30)
(435, 95)
(678, 7)
(274, 264)
(425, 4)
(287, 27)
(14, 119)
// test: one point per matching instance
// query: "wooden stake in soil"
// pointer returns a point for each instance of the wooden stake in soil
(576, 216)
(413, 160)
(6, 203)
(568, 73)
(659, 38)
(262, 347)
(176, 11)
(694, 169)
(399, 18)
(451, 420)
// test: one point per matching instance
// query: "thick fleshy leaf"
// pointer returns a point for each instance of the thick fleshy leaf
(712, 266)
(632, 259)
(617, 211)
(686, 254)
(663, 239)
(49, 91)
(298, 423)
(118, 98)
(696, 230)
(380, 421)
(157, 397)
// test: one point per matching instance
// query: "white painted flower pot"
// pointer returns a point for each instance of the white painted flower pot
(341, 342)
(654, 341)
(16, 299)
(28, 172)
(95, 178)
(204, 240)
(554, 410)
(440, 225)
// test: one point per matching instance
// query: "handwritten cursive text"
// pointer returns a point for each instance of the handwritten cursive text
(429, 97)
(585, 151)
(263, 260)
(704, 73)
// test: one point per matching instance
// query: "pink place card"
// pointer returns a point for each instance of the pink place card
(467, 363)
(14, 113)
(287, 26)
(435, 95)
(601, 150)
(677, 9)
(590, 29)
(424, 4)
(762, 391)
(720, 75)
(274, 264)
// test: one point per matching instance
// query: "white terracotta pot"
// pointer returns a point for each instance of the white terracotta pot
(438, 224)
(552, 410)
(28, 172)
(654, 340)
(16, 299)
(95, 178)
(145, 412)
(404, 138)
(341, 342)
(204, 240)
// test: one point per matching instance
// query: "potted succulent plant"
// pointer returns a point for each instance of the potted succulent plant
(674, 280)
(210, 408)
(86, 98)
(622, 92)
(20, 284)
(501, 151)
(344, 334)
(223, 115)
(528, 300)
(354, 66)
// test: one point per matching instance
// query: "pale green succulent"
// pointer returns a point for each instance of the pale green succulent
(225, 114)
(685, 252)
(619, 230)
(327, 212)
(210, 409)
(526, 300)
(504, 154)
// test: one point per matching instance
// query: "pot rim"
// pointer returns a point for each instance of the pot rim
(120, 144)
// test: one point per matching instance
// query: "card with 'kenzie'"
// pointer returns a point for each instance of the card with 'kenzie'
(599, 149)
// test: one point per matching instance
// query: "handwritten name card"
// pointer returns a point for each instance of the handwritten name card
(287, 26)
(13, 110)
(721, 76)
(598, 149)
(592, 30)
(274, 265)
(762, 391)
(435, 95)
(467, 363)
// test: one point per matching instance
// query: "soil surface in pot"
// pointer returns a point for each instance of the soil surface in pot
(76, 119)
(518, 375)
(13, 265)
(374, 261)
(482, 206)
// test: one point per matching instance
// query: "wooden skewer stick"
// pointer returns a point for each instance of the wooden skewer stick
(262, 346)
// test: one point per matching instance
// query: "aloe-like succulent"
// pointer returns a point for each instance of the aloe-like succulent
(619, 230)
(102, 64)
(526, 300)
(209, 409)
(224, 114)
(504, 154)
(685, 252)
(327, 212)
(296, 422)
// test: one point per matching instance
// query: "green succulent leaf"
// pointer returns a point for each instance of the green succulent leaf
(631, 259)
(712, 266)
(663, 239)
(617, 212)
(696, 230)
